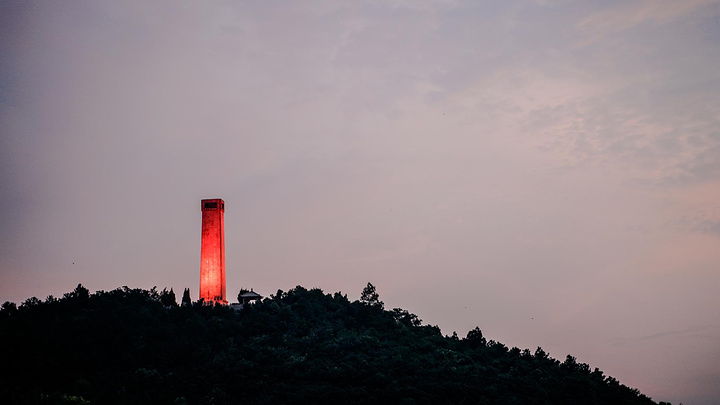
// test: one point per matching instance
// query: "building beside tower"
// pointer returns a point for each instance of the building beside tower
(212, 252)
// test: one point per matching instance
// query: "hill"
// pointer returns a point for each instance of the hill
(299, 346)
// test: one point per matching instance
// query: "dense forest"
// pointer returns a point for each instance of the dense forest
(300, 346)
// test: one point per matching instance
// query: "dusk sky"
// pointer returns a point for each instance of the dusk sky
(546, 170)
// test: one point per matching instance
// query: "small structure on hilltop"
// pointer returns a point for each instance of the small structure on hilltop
(246, 298)
(250, 297)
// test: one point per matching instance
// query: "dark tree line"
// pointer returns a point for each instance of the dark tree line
(300, 346)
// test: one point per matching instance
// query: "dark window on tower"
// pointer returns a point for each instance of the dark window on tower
(222, 206)
(211, 206)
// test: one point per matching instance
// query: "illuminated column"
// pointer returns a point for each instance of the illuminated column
(212, 252)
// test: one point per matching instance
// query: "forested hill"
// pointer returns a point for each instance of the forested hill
(300, 346)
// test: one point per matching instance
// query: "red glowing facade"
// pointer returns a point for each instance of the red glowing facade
(212, 252)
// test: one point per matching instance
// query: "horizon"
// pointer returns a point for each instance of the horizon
(547, 171)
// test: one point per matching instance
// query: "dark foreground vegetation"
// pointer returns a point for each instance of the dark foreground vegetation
(300, 346)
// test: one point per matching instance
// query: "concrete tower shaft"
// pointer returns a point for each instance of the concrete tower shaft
(212, 252)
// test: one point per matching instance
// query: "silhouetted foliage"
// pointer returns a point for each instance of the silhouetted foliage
(370, 297)
(80, 293)
(8, 308)
(186, 301)
(300, 346)
(168, 297)
(475, 338)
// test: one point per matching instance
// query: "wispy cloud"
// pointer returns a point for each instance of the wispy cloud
(630, 14)
(712, 227)
(703, 332)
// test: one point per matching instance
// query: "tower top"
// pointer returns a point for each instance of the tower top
(212, 204)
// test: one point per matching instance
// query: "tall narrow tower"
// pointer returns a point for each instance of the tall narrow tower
(212, 252)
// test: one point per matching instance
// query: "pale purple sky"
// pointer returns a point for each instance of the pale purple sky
(546, 170)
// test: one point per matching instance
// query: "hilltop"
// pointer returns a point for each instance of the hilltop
(299, 346)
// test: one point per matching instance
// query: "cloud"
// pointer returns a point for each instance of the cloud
(702, 332)
(712, 227)
(634, 13)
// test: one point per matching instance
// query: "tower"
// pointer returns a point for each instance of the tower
(212, 252)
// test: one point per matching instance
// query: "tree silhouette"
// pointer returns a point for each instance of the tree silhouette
(475, 337)
(186, 301)
(168, 297)
(370, 297)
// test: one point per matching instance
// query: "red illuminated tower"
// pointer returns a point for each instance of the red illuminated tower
(212, 252)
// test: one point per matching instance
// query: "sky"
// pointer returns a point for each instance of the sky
(546, 170)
